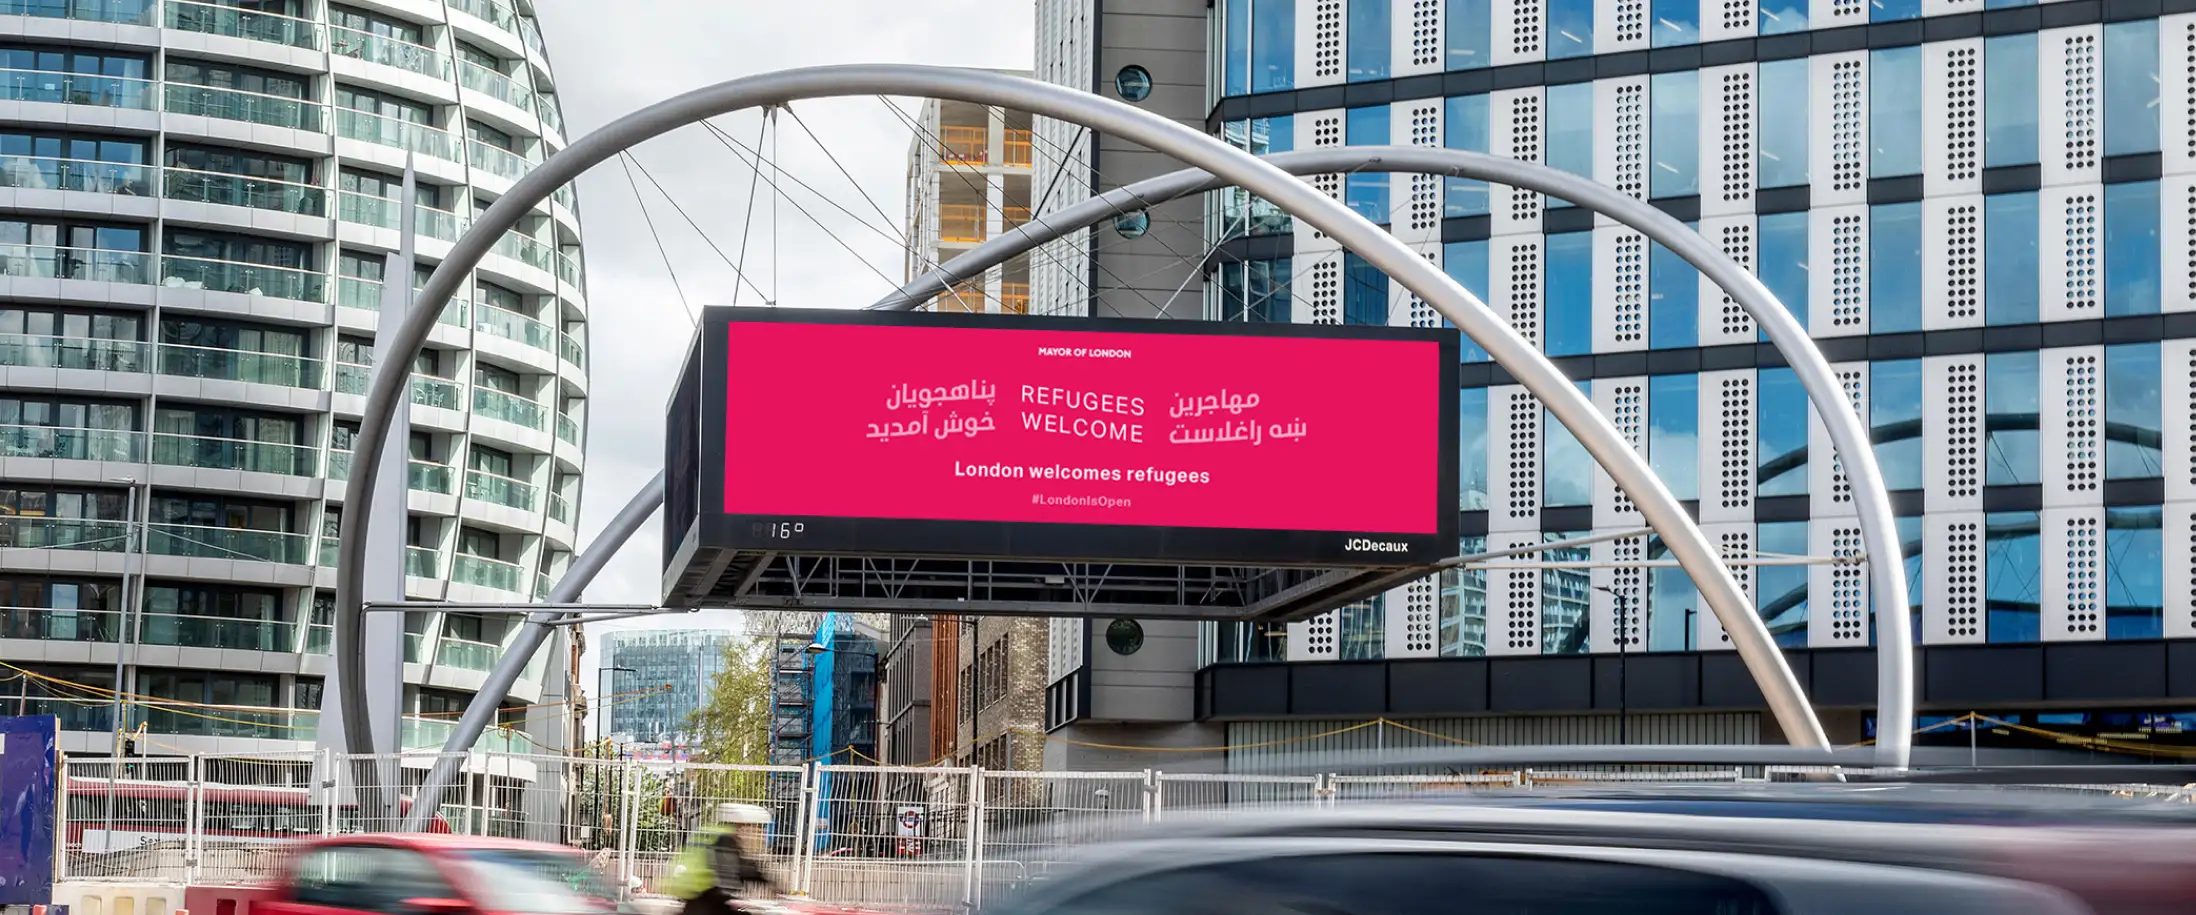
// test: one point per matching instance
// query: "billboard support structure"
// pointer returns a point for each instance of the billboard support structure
(387, 389)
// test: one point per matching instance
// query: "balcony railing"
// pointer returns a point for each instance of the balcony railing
(200, 542)
(382, 49)
(496, 85)
(49, 262)
(559, 508)
(250, 107)
(217, 632)
(77, 89)
(120, 12)
(427, 476)
(511, 408)
(964, 145)
(962, 222)
(466, 655)
(529, 251)
(50, 174)
(248, 279)
(1017, 148)
(93, 354)
(572, 271)
(496, 160)
(352, 378)
(242, 23)
(568, 429)
(239, 365)
(484, 572)
(1010, 217)
(352, 124)
(572, 350)
(551, 115)
(1014, 297)
(491, 12)
(419, 562)
(71, 444)
(429, 391)
(209, 453)
(511, 325)
(21, 532)
(501, 490)
(243, 191)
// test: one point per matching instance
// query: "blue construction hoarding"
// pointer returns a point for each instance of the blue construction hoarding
(30, 767)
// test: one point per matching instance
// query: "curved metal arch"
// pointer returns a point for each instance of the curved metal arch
(1849, 436)
(1660, 509)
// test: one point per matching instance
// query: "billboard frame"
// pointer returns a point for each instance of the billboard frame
(713, 529)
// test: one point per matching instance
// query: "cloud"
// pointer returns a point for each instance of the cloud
(612, 58)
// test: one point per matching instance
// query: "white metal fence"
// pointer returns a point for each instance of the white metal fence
(919, 839)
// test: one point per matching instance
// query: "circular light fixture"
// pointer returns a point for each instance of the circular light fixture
(1133, 83)
(1125, 637)
(1132, 225)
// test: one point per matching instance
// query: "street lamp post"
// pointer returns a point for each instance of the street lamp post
(1624, 642)
(602, 734)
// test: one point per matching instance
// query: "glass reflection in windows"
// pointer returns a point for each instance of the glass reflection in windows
(2133, 428)
(1673, 606)
(1570, 28)
(1675, 22)
(1910, 547)
(1471, 449)
(1782, 239)
(2130, 56)
(1893, 10)
(1367, 192)
(2010, 259)
(1779, 17)
(1895, 421)
(1780, 421)
(1240, 212)
(1466, 263)
(1361, 630)
(1569, 321)
(1253, 291)
(2134, 573)
(1895, 267)
(1364, 292)
(1570, 143)
(1272, 45)
(1464, 605)
(1564, 597)
(1673, 433)
(1235, 26)
(1782, 590)
(2013, 576)
(1673, 298)
(1369, 37)
(1470, 24)
(2010, 110)
(1782, 123)
(1673, 131)
(1567, 471)
(2131, 248)
(1895, 111)
(2010, 403)
(1467, 127)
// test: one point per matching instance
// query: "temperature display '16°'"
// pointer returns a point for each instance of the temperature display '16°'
(780, 530)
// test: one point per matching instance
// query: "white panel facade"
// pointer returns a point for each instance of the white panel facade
(2180, 569)
(2069, 88)
(2177, 241)
(1518, 132)
(1416, 40)
(1318, 130)
(1320, 33)
(1620, 137)
(1952, 262)
(1520, 31)
(2073, 574)
(2071, 433)
(1948, 7)
(1624, 402)
(1838, 13)
(1724, 19)
(1318, 282)
(2177, 94)
(1617, 617)
(2070, 252)
(1829, 493)
(1838, 128)
(1620, 25)
(1954, 609)
(1513, 600)
(1514, 418)
(1417, 216)
(1514, 269)
(1952, 110)
(1727, 115)
(1620, 290)
(1735, 540)
(1722, 320)
(1406, 309)
(1837, 595)
(1837, 278)
(1315, 639)
(1952, 433)
(2177, 403)
(1727, 445)
(1412, 621)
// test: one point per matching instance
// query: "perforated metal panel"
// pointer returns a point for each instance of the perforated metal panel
(1952, 106)
(1952, 264)
(1829, 493)
(1064, 647)
(2177, 387)
(1514, 264)
(1320, 35)
(2180, 569)
(2177, 91)
(2069, 85)
(2071, 381)
(1947, 7)
(1620, 141)
(2073, 574)
(1406, 309)
(1837, 595)
(1610, 632)
(1318, 130)
(1315, 639)
(1838, 128)
(2070, 253)
(1952, 433)
(1722, 320)
(1727, 140)
(2177, 242)
(1518, 132)
(1417, 41)
(1412, 620)
(1624, 402)
(1837, 275)
(1735, 540)
(1722, 19)
(1513, 486)
(1620, 290)
(1727, 445)
(1520, 28)
(1318, 299)
(1418, 218)
(1620, 25)
(1953, 611)
(1838, 13)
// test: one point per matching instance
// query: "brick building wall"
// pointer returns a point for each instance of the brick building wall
(990, 710)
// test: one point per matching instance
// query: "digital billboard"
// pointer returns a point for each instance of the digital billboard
(1062, 438)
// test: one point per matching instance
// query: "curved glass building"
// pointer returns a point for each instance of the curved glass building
(197, 200)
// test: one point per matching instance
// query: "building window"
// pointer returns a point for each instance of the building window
(1782, 124)
(1674, 132)
(2133, 427)
(2010, 403)
(1273, 45)
(1369, 37)
(2130, 87)
(1673, 298)
(1782, 16)
(1364, 292)
(2009, 100)
(1895, 267)
(1470, 24)
(1895, 421)
(1367, 192)
(1673, 606)
(1780, 415)
(1570, 28)
(1570, 283)
(1464, 606)
(1673, 433)
(1133, 83)
(1471, 449)
(1467, 127)
(1565, 624)
(1254, 291)
(1567, 471)
(2010, 262)
(1362, 630)
(1784, 258)
(2131, 248)
(85, 65)
(1235, 49)
(1242, 213)
(1895, 111)
(241, 79)
(1570, 145)
(2134, 573)
(1466, 263)
(1676, 22)
(1893, 10)
(1782, 590)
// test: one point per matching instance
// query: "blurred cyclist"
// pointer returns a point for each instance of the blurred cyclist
(724, 862)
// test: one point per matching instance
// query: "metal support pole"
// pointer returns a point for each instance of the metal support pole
(972, 880)
(628, 821)
(804, 832)
(125, 633)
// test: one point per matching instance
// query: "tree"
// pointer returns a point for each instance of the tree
(733, 724)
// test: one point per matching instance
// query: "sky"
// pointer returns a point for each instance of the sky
(613, 57)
